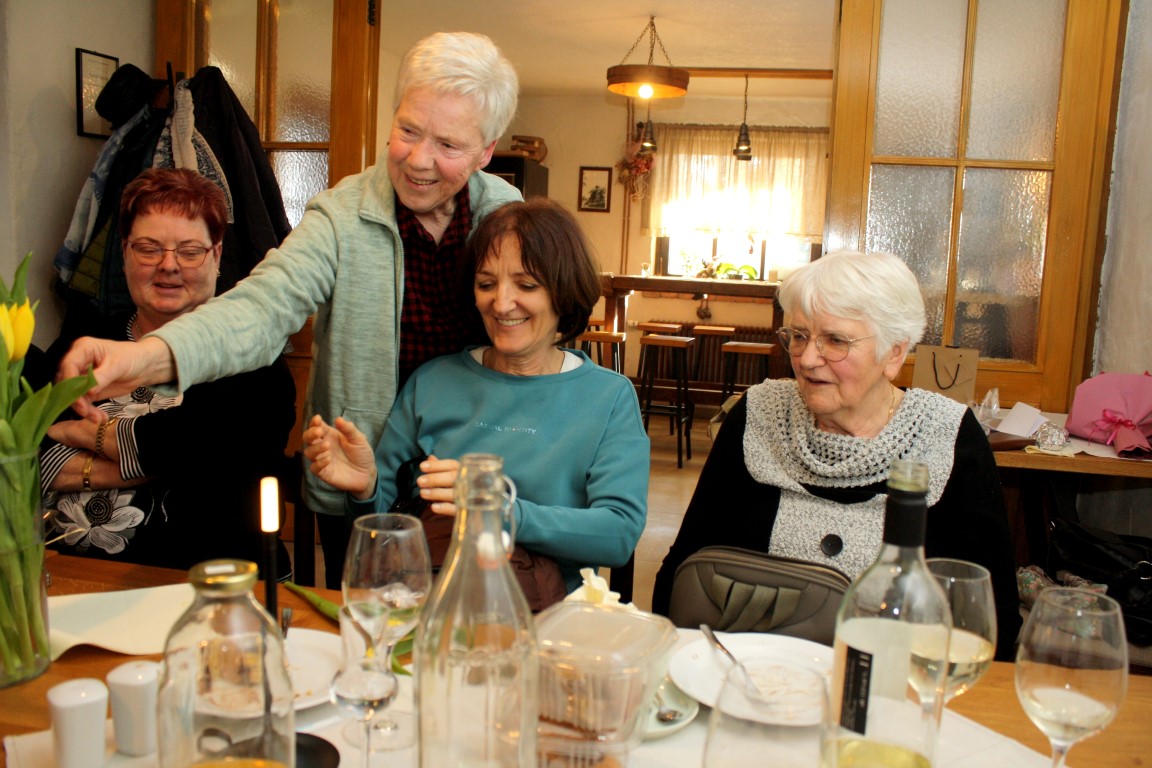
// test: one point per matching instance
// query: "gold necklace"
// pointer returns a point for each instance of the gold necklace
(892, 408)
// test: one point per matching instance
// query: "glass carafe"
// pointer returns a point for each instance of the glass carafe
(476, 647)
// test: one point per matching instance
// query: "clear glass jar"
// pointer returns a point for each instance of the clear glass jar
(225, 695)
(476, 664)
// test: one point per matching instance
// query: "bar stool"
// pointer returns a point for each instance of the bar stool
(708, 337)
(666, 329)
(608, 345)
(680, 408)
(733, 351)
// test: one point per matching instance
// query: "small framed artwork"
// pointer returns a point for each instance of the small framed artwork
(595, 189)
(93, 71)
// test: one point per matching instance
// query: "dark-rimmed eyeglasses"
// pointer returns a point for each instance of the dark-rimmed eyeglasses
(832, 346)
(150, 254)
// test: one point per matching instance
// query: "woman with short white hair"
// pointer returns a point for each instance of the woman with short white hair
(799, 467)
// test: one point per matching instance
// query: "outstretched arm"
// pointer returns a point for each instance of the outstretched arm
(119, 366)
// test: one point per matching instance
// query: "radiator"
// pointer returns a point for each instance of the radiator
(707, 352)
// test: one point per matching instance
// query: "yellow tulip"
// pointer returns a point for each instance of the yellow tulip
(23, 322)
(6, 333)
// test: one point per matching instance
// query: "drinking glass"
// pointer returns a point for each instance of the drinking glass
(968, 587)
(770, 711)
(1072, 666)
(387, 577)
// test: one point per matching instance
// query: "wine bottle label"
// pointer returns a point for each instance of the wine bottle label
(857, 681)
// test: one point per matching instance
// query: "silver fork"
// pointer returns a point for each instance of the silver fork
(285, 619)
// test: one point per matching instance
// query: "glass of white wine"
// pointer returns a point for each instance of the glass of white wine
(1072, 666)
(387, 577)
(968, 587)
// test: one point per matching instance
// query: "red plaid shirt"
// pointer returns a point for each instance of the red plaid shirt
(438, 316)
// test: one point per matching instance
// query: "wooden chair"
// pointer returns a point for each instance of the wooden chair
(680, 408)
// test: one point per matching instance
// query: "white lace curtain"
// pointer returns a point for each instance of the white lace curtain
(697, 184)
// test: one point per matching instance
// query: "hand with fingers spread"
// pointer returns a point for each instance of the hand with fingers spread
(341, 456)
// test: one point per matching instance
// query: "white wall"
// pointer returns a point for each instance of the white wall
(43, 163)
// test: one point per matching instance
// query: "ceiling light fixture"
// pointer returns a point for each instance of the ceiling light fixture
(743, 149)
(648, 81)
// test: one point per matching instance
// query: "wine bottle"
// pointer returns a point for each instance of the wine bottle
(891, 648)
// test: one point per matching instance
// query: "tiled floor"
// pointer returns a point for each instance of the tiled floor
(669, 490)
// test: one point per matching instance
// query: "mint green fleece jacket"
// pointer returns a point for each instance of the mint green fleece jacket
(344, 263)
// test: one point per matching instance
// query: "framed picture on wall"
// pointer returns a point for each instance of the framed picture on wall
(595, 193)
(93, 71)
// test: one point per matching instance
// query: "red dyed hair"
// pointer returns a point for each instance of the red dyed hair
(177, 191)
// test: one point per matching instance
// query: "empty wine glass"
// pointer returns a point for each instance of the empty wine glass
(387, 576)
(1072, 666)
(770, 711)
(968, 587)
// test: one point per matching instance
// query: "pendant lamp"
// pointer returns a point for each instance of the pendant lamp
(648, 81)
(648, 140)
(743, 149)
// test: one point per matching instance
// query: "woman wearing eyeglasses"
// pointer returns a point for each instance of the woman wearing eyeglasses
(799, 467)
(168, 480)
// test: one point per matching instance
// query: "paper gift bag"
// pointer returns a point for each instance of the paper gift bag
(951, 371)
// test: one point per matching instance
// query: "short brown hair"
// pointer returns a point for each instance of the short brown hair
(553, 250)
(179, 191)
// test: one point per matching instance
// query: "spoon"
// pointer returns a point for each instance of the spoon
(664, 713)
(708, 633)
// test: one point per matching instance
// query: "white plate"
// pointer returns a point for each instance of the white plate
(699, 669)
(676, 699)
(313, 660)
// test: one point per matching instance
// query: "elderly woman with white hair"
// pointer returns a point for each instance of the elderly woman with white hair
(799, 467)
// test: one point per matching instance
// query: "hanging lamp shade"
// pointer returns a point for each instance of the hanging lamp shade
(648, 142)
(648, 81)
(743, 150)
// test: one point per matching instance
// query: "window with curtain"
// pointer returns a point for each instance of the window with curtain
(738, 216)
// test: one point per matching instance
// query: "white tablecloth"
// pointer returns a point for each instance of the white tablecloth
(963, 743)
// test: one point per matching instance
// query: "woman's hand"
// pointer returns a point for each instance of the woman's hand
(119, 366)
(74, 433)
(437, 484)
(341, 456)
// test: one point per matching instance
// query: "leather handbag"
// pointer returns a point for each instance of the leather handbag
(1122, 562)
(739, 590)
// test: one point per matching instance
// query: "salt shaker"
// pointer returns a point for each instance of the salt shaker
(132, 693)
(79, 710)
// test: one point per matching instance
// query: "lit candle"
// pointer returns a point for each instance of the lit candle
(270, 524)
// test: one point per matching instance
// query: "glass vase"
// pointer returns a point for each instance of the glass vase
(24, 650)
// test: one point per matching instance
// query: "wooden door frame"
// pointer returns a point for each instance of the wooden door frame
(1089, 92)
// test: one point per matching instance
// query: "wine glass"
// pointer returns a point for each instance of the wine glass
(968, 587)
(770, 711)
(1072, 665)
(387, 577)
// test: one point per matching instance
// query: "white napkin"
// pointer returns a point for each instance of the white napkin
(133, 621)
(595, 590)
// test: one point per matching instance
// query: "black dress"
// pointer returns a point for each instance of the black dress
(204, 452)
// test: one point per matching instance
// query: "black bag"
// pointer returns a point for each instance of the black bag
(1122, 562)
(739, 590)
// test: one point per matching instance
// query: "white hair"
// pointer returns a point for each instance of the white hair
(465, 64)
(876, 288)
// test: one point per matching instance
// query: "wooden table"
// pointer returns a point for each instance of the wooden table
(24, 707)
(992, 703)
(617, 289)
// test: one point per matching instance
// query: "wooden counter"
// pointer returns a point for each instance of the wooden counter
(617, 289)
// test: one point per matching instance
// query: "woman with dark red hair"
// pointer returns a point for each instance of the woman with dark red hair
(168, 480)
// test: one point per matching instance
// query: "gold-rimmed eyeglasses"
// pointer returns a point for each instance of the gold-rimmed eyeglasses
(150, 254)
(832, 346)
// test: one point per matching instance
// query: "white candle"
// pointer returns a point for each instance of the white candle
(269, 505)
